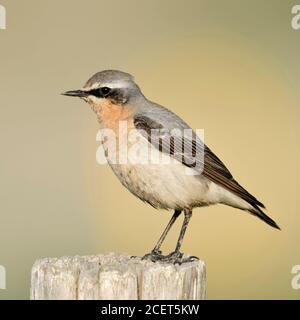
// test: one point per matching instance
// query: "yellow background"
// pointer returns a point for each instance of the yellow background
(229, 67)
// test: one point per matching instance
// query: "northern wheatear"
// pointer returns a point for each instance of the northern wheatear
(194, 177)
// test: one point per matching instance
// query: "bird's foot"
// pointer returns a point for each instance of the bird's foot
(177, 257)
(154, 255)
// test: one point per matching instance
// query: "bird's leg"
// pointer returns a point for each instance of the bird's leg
(166, 231)
(177, 256)
(155, 254)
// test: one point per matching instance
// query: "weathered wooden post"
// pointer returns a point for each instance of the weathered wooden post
(113, 276)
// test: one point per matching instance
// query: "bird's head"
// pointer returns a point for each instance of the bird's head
(108, 86)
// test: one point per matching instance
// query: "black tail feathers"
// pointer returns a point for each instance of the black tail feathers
(261, 215)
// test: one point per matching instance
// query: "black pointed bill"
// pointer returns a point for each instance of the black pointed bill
(76, 93)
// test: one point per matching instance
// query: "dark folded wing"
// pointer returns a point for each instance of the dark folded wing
(190, 151)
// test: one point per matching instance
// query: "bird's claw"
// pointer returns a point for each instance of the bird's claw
(154, 255)
(179, 258)
(175, 257)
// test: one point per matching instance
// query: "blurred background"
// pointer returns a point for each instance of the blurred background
(228, 67)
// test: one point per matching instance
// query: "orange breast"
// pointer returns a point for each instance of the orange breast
(117, 118)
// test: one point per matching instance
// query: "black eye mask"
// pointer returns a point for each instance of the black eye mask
(101, 92)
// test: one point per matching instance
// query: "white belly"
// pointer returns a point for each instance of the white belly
(163, 186)
(159, 180)
(168, 184)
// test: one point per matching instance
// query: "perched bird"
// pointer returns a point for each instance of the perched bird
(191, 178)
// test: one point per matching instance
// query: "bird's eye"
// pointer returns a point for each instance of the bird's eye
(105, 91)
(101, 92)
